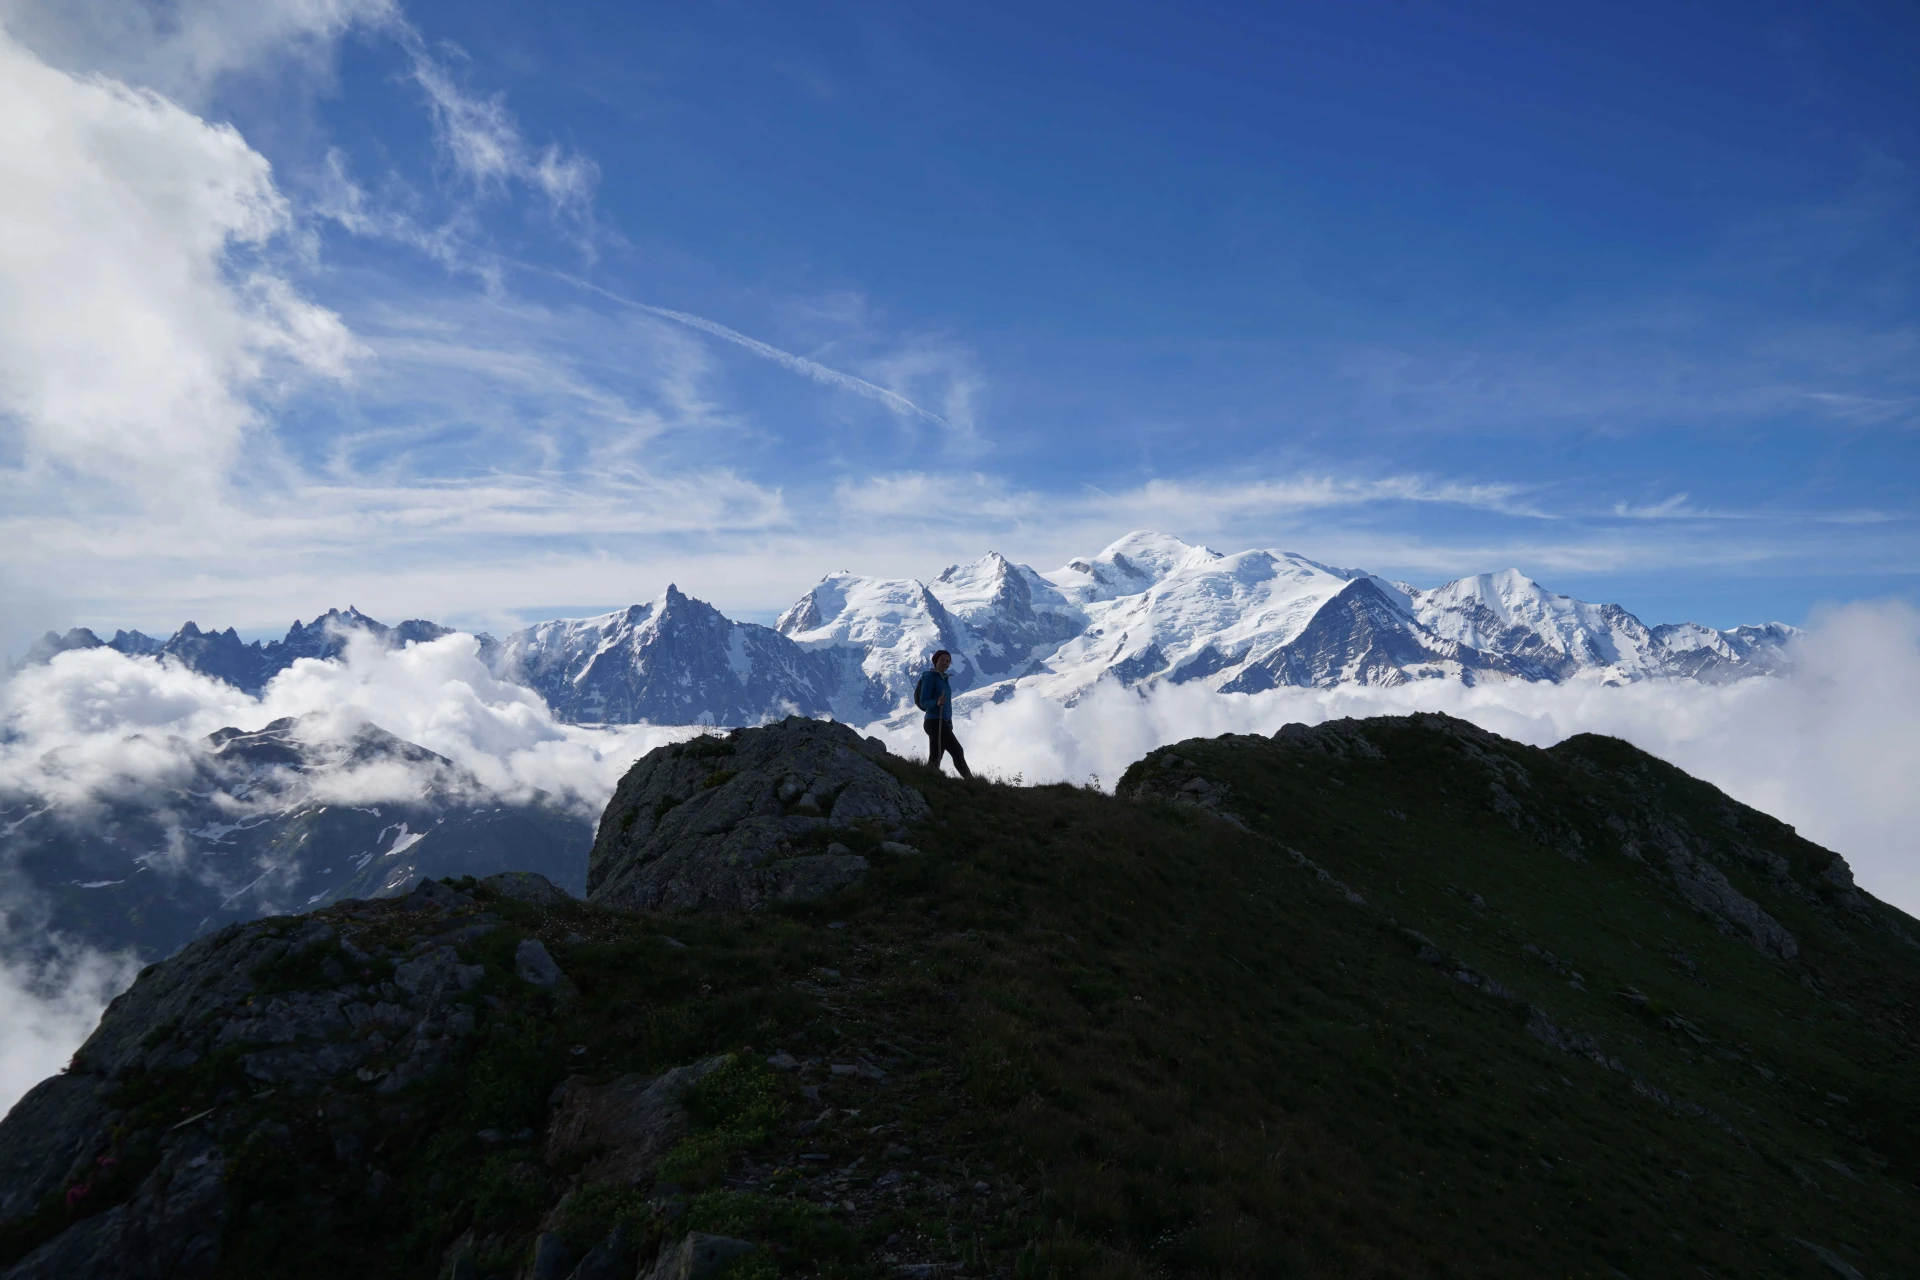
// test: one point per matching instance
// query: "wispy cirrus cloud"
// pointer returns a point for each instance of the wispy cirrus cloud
(482, 139)
(1184, 504)
(1681, 507)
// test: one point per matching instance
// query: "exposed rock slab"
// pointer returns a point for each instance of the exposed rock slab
(732, 824)
(698, 1257)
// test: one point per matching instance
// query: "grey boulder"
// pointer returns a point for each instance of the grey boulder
(527, 886)
(533, 964)
(731, 824)
(623, 1127)
(614, 1258)
(698, 1257)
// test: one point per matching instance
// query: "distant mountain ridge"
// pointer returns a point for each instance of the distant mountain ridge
(224, 656)
(1148, 610)
(266, 821)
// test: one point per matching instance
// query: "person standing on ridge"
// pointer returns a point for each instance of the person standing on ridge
(934, 696)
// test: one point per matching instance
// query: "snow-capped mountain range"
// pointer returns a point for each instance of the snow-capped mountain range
(1148, 610)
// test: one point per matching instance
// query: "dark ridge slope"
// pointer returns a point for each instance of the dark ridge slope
(1385, 998)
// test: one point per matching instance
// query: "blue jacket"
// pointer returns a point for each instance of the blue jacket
(927, 694)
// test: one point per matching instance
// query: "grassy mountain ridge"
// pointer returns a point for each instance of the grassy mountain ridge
(1390, 997)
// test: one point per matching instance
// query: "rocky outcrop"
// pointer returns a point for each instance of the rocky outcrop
(1704, 886)
(747, 820)
(1174, 779)
(350, 1007)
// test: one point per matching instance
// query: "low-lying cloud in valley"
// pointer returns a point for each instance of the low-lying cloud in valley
(1828, 748)
(49, 1006)
(95, 719)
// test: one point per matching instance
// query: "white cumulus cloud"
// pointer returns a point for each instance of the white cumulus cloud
(183, 48)
(138, 311)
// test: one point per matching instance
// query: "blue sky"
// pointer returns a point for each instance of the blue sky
(537, 308)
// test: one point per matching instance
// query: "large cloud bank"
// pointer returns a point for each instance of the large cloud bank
(1830, 749)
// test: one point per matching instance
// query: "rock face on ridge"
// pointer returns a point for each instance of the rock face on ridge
(742, 821)
(1640, 824)
(307, 1041)
(375, 996)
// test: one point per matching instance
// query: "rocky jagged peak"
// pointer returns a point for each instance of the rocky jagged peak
(679, 608)
(756, 817)
(52, 643)
(802, 615)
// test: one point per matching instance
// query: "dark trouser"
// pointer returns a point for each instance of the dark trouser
(940, 738)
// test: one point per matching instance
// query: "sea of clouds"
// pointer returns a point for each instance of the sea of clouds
(1830, 748)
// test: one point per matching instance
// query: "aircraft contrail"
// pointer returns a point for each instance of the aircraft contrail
(785, 359)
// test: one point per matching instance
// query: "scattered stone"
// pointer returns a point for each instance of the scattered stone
(898, 850)
(1341, 739)
(527, 886)
(698, 1257)
(431, 895)
(783, 1061)
(1321, 874)
(533, 964)
(553, 1258)
(436, 972)
(624, 1125)
(614, 1258)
